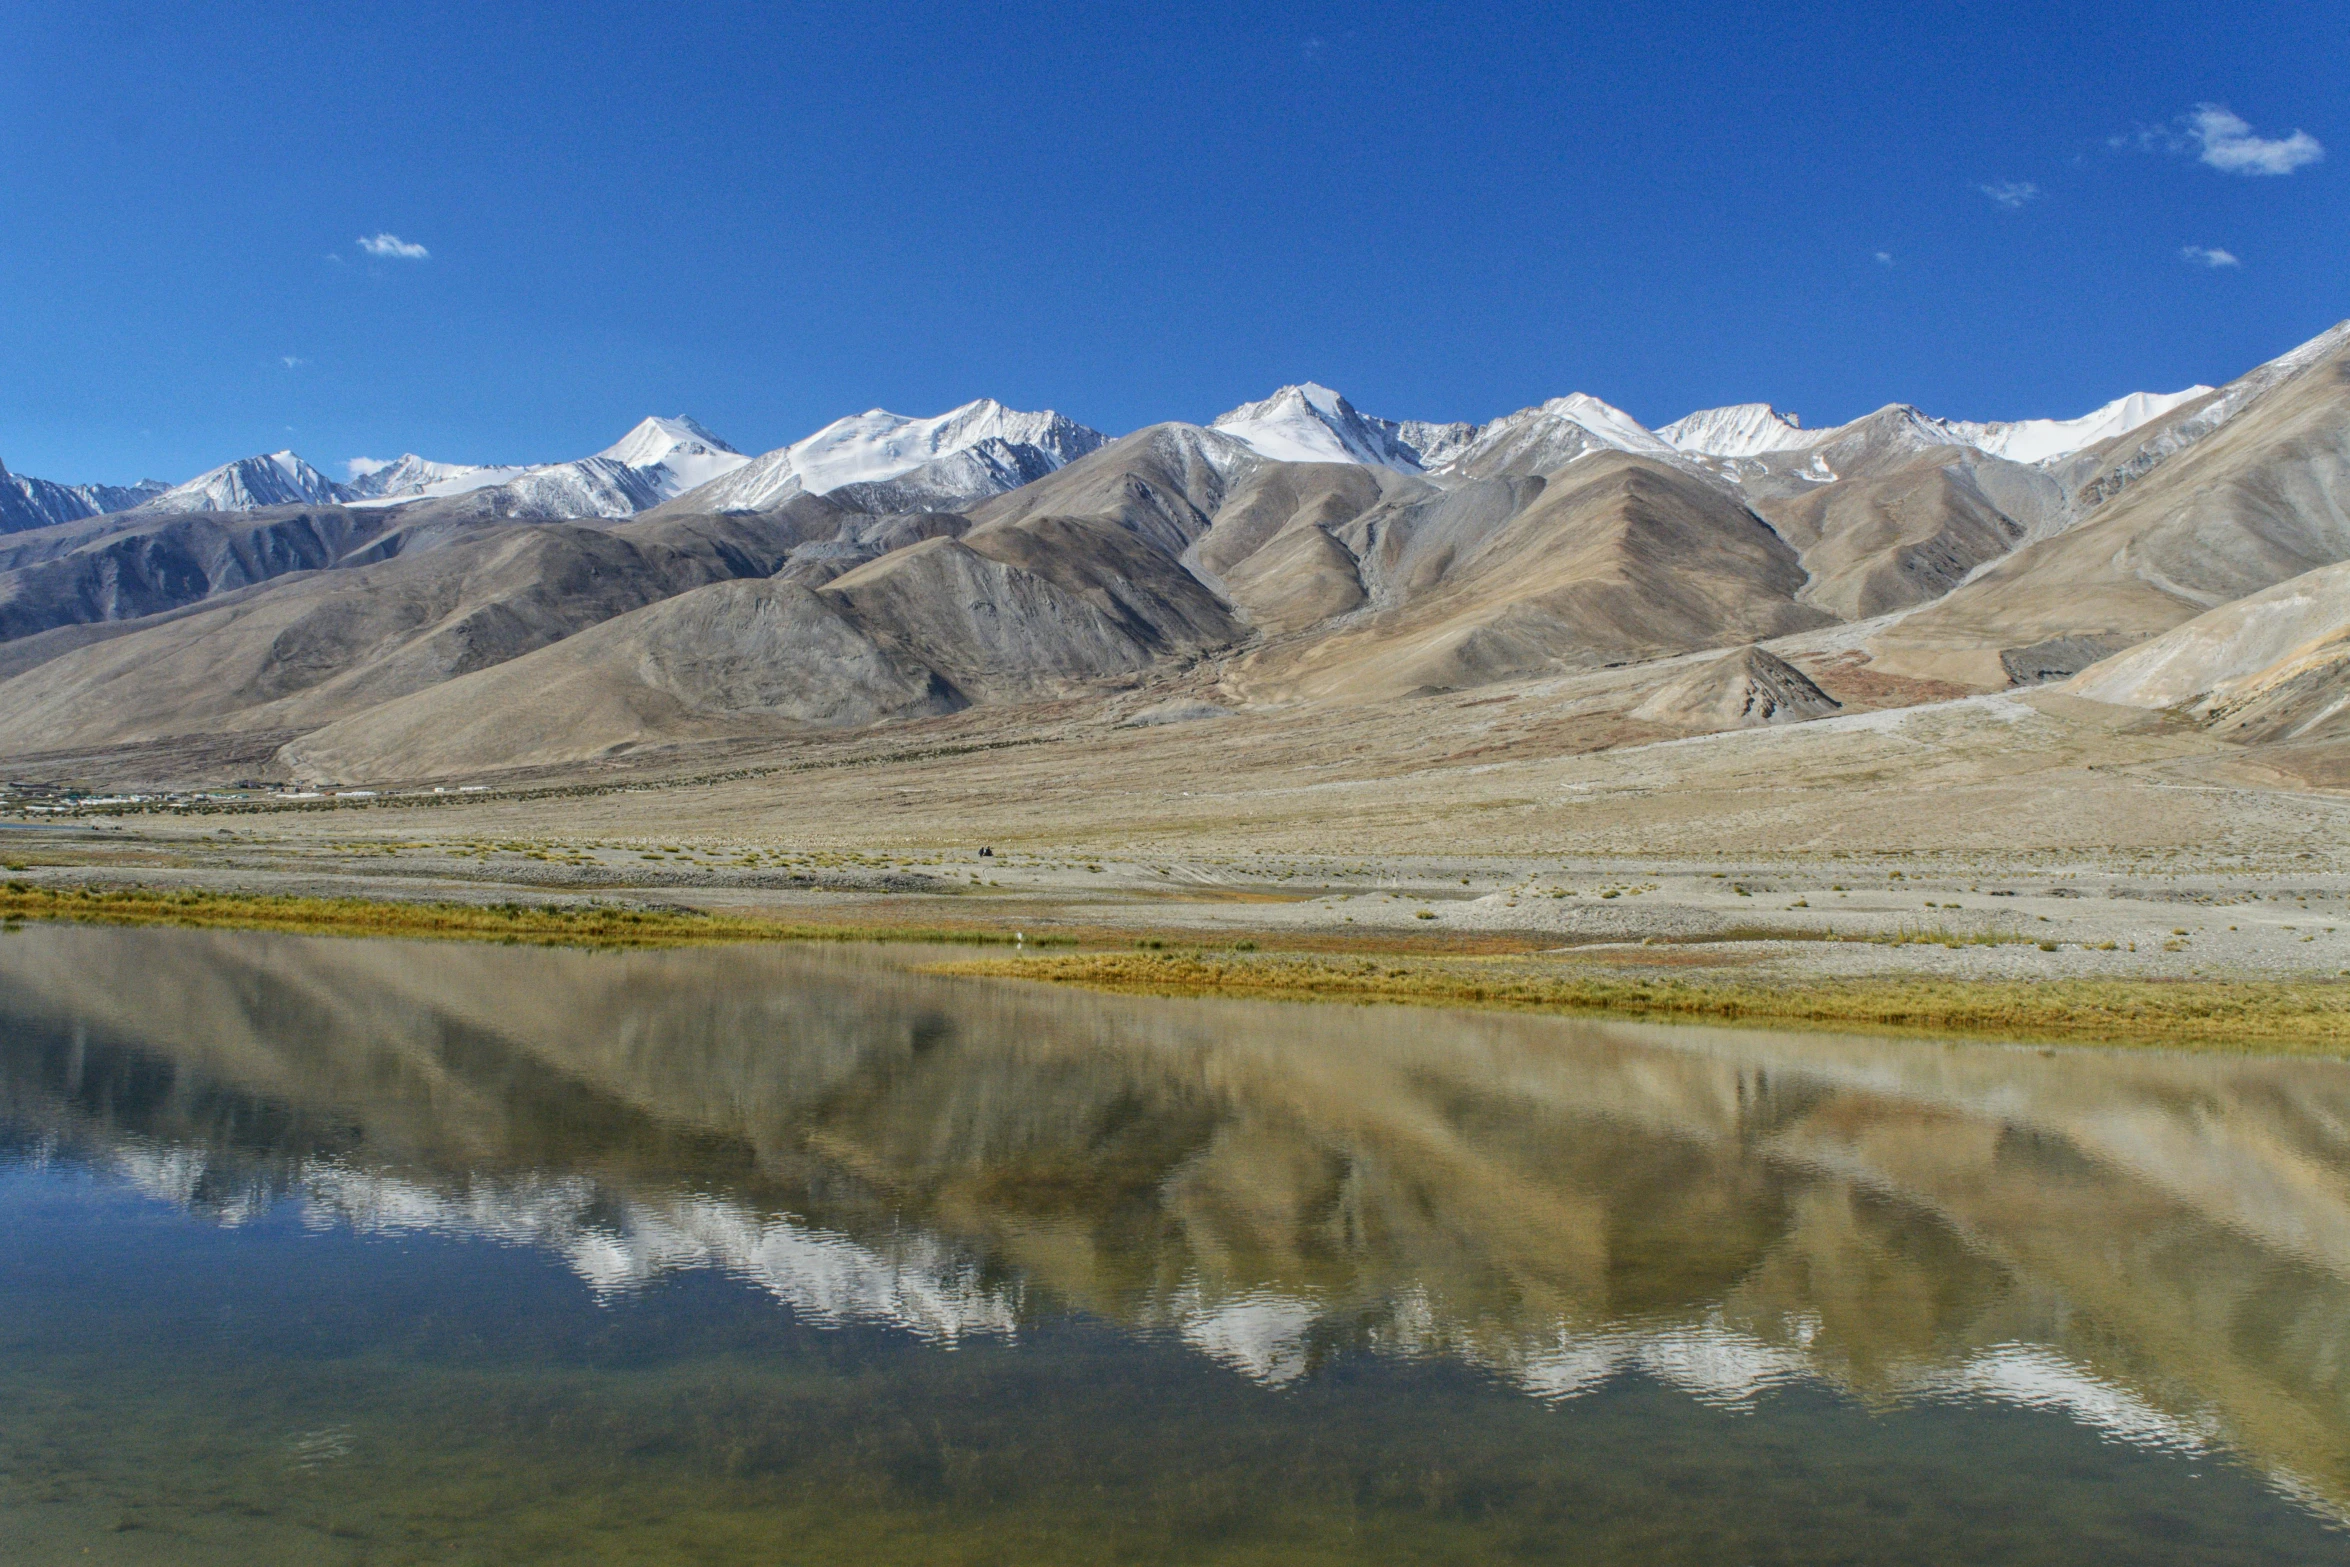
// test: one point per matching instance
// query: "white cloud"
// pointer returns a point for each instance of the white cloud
(1884, 258)
(393, 247)
(2219, 136)
(291, 362)
(361, 467)
(2011, 194)
(2206, 256)
(2228, 143)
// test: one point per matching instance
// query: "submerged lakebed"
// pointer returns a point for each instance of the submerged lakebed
(379, 1251)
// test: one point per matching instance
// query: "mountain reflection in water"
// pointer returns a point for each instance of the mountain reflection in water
(2157, 1247)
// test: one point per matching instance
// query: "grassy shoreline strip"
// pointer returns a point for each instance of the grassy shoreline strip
(596, 924)
(2310, 1017)
(2247, 1015)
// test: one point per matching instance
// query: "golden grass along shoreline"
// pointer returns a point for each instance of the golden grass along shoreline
(2287, 1016)
(594, 924)
(2298, 1017)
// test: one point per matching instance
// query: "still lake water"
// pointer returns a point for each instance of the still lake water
(327, 1251)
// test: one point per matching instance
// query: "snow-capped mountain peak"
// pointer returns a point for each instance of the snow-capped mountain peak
(1606, 422)
(1740, 430)
(1757, 429)
(1551, 435)
(657, 459)
(877, 446)
(1309, 422)
(1903, 427)
(27, 502)
(409, 476)
(656, 439)
(274, 479)
(676, 454)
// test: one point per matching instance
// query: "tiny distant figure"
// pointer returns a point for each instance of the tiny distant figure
(987, 854)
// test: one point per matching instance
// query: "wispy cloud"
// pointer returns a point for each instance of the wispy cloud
(2224, 139)
(2011, 194)
(1884, 258)
(361, 467)
(292, 362)
(2208, 256)
(2228, 143)
(393, 247)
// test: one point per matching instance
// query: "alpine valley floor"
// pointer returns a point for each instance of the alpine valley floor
(2017, 836)
(1906, 696)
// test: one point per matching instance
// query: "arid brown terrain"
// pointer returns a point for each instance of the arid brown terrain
(1554, 681)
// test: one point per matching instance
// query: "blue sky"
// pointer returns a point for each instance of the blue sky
(770, 216)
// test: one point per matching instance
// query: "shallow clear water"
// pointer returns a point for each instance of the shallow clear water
(331, 1251)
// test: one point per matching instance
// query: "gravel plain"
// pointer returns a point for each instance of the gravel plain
(1996, 837)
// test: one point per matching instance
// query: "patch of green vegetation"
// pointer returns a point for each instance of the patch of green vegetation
(590, 924)
(2271, 1016)
(1943, 936)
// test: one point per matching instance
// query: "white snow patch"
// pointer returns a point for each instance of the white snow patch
(1741, 430)
(1311, 423)
(2040, 440)
(878, 445)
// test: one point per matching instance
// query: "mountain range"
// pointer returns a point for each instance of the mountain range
(36, 503)
(980, 449)
(984, 448)
(422, 618)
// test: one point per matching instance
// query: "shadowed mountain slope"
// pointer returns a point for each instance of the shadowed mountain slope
(27, 502)
(1615, 559)
(1273, 551)
(1889, 511)
(1025, 609)
(333, 642)
(1744, 689)
(1274, 499)
(2257, 499)
(1895, 539)
(1036, 606)
(1164, 484)
(733, 658)
(135, 564)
